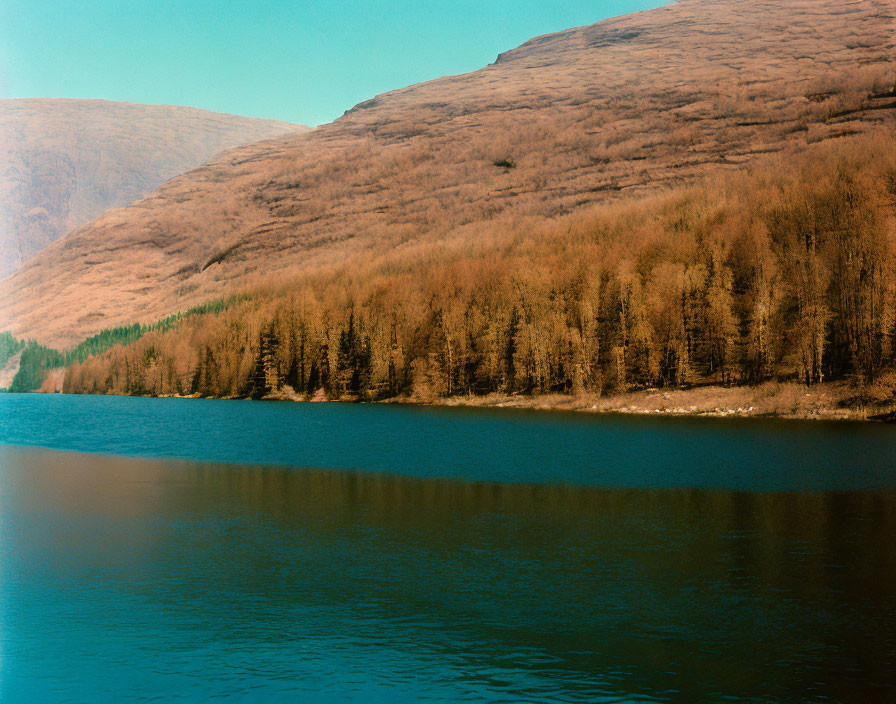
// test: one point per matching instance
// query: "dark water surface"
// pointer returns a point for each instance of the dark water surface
(449, 556)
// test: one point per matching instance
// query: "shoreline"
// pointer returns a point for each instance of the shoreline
(829, 401)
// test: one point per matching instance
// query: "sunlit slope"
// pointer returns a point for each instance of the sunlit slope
(66, 161)
(619, 109)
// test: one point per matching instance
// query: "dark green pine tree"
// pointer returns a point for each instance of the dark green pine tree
(295, 376)
(353, 361)
(313, 377)
(265, 378)
(321, 374)
(204, 377)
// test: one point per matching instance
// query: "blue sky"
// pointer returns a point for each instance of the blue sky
(298, 61)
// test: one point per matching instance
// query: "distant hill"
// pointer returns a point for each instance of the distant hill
(66, 161)
(626, 108)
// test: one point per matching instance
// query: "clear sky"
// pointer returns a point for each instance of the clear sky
(293, 60)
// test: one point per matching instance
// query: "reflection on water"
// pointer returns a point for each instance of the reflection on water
(498, 445)
(131, 579)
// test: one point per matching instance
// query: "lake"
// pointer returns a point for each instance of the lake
(189, 550)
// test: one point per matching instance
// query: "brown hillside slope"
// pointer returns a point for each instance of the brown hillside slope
(618, 109)
(66, 161)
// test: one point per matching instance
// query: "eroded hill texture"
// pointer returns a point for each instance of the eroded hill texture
(66, 161)
(621, 109)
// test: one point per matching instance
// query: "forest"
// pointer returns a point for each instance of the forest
(38, 360)
(785, 271)
(9, 346)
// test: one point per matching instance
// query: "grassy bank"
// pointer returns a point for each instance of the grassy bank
(828, 401)
(824, 402)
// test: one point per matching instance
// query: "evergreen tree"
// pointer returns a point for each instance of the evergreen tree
(352, 360)
(266, 373)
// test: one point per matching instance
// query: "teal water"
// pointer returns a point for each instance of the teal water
(498, 445)
(319, 553)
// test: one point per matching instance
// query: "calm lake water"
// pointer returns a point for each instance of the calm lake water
(332, 552)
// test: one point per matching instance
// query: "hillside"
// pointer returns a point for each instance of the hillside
(624, 109)
(66, 161)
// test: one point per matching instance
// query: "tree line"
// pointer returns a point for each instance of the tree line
(38, 360)
(9, 347)
(786, 272)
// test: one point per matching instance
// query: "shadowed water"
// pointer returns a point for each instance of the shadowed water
(138, 579)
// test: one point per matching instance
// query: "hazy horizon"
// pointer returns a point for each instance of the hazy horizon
(294, 61)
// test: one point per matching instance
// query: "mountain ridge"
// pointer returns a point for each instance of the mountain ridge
(69, 159)
(627, 107)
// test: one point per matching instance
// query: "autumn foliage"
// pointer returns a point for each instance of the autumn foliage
(785, 271)
(625, 109)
